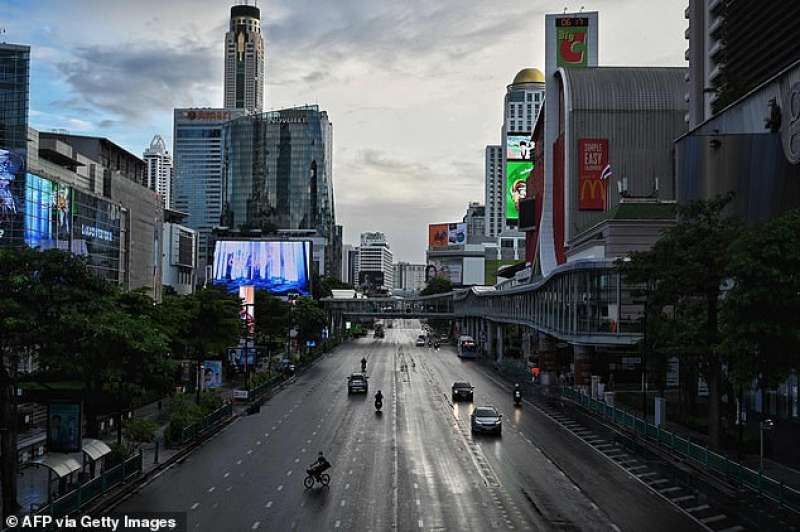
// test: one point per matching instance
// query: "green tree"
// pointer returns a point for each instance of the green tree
(321, 286)
(309, 318)
(272, 316)
(761, 313)
(683, 274)
(437, 285)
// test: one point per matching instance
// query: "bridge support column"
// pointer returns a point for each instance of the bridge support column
(499, 357)
(491, 330)
(583, 365)
(548, 359)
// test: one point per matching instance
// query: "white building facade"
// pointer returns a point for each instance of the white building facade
(375, 262)
(159, 170)
(493, 183)
(409, 277)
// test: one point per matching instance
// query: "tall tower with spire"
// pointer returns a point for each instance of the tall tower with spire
(159, 170)
(244, 60)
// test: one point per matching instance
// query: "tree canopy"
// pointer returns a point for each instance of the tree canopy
(437, 285)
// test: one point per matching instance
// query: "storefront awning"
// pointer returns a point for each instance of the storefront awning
(61, 464)
(95, 449)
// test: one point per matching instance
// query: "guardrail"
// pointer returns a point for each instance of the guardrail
(80, 497)
(210, 420)
(715, 462)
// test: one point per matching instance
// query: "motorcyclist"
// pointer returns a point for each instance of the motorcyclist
(379, 397)
(363, 364)
(517, 392)
(436, 345)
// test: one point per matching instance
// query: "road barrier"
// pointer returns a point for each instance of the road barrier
(710, 460)
(77, 499)
(192, 431)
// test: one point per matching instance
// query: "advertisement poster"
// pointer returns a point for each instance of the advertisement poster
(212, 374)
(517, 173)
(571, 37)
(370, 279)
(592, 159)
(450, 269)
(11, 207)
(457, 234)
(277, 267)
(438, 235)
(64, 427)
(48, 216)
(519, 147)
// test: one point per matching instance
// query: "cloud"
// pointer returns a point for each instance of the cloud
(132, 81)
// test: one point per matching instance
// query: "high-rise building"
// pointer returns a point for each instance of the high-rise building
(734, 46)
(352, 266)
(179, 255)
(159, 170)
(279, 175)
(197, 151)
(244, 60)
(14, 84)
(521, 105)
(475, 218)
(493, 183)
(375, 262)
(409, 278)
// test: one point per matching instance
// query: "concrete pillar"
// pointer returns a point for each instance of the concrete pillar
(499, 356)
(583, 365)
(491, 329)
(548, 359)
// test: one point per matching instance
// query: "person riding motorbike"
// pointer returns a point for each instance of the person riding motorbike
(363, 365)
(517, 393)
(436, 345)
(378, 400)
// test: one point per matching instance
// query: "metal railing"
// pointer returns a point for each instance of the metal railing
(710, 460)
(84, 494)
(190, 432)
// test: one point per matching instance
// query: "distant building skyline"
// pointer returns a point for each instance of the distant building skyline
(244, 60)
(159, 173)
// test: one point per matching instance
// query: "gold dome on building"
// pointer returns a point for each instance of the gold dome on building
(528, 75)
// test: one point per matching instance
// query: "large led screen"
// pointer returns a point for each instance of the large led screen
(11, 184)
(48, 214)
(277, 267)
(519, 147)
(517, 173)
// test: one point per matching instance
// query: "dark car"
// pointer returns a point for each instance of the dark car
(486, 419)
(357, 383)
(462, 391)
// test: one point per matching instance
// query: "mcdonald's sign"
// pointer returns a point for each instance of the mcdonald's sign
(592, 158)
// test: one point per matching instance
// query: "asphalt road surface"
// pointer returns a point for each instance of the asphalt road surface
(414, 467)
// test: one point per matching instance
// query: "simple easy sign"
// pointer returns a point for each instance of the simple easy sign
(592, 158)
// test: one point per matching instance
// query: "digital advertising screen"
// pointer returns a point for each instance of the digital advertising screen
(445, 268)
(48, 214)
(64, 427)
(519, 147)
(370, 279)
(279, 267)
(212, 374)
(517, 173)
(571, 37)
(11, 195)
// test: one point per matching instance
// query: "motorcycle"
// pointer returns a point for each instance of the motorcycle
(517, 398)
(378, 406)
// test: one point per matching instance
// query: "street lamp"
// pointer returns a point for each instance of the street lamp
(765, 425)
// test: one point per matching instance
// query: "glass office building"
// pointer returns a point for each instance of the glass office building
(197, 152)
(279, 175)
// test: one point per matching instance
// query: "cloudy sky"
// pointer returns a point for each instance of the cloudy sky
(414, 88)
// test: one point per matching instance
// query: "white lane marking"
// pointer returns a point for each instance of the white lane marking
(211, 489)
(347, 486)
(342, 503)
(417, 502)
(238, 462)
(195, 505)
(303, 450)
(337, 524)
(296, 460)
(250, 451)
(615, 527)
(229, 488)
(214, 506)
(269, 504)
(280, 488)
(308, 441)
(594, 506)
(415, 485)
(258, 442)
(226, 475)
(314, 433)
(421, 524)
(289, 473)
(255, 525)
(273, 427)
(350, 472)
(266, 434)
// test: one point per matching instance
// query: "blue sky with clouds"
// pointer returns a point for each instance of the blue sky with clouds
(414, 88)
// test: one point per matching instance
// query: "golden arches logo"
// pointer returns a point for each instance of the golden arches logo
(592, 185)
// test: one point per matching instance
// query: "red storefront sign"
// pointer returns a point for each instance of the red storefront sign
(592, 159)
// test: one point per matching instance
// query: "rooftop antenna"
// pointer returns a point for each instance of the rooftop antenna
(581, 9)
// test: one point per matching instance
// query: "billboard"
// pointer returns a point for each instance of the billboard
(370, 279)
(519, 147)
(443, 235)
(592, 159)
(449, 268)
(212, 374)
(571, 41)
(64, 427)
(279, 267)
(517, 173)
(48, 214)
(11, 199)
(437, 235)
(527, 214)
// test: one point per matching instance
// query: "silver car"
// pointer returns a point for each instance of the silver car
(486, 419)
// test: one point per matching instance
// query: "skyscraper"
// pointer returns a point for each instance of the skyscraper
(244, 60)
(493, 182)
(197, 149)
(279, 175)
(375, 263)
(159, 170)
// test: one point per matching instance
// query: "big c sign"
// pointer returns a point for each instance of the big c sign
(592, 158)
(571, 33)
